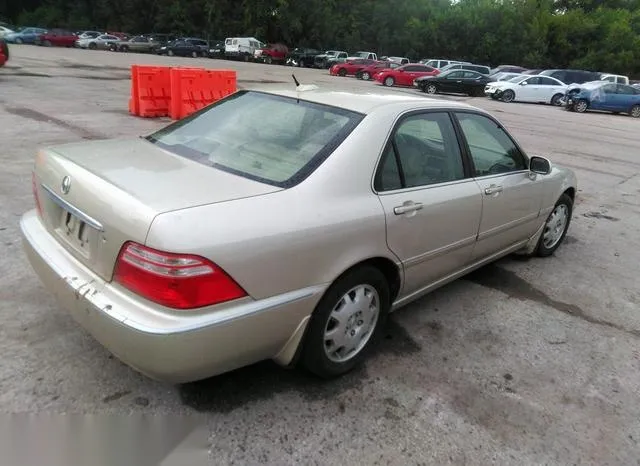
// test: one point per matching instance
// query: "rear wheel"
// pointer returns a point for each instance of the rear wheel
(581, 106)
(342, 72)
(366, 76)
(431, 89)
(268, 60)
(346, 322)
(194, 54)
(46, 43)
(93, 46)
(635, 111)
(18, 41)
(124, 48)
(170, 52)
(556, 100)
(389, 81)
(508, 96)
(556, 226)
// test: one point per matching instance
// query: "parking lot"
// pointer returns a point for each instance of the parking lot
(523, 362)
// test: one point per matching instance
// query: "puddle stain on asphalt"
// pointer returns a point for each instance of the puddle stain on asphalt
(116, 396)
(505, 281)
(232, 390)
(601, 216)
(42, 117)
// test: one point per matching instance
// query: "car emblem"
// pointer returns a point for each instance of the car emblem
(66, 184)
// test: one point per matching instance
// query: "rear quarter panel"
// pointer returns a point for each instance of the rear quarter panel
(306, 235)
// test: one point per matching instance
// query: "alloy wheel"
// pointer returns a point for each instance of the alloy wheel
(555, 226)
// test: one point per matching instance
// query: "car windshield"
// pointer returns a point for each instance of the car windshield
(517, 79)
(268, 138)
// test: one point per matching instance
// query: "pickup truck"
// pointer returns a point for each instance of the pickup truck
(302, 56)
(329, 58)
(365, 55)
(4, 52)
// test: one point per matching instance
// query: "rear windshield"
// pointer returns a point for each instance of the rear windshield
(268, 138)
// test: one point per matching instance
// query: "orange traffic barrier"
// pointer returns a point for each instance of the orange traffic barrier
(193, 89)
(158, 91)
(152, 94)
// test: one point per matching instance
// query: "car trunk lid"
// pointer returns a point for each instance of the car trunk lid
(96, 196)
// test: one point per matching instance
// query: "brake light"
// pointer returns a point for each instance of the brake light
(36, 197)
(178, 281)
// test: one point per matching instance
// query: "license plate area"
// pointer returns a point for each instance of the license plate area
(77, 233)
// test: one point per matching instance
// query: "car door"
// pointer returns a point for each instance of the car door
(623, 99)
(605, 98)
(511, 194)
(431, 203)
(548, 88)
(406, 77)
(528, 90)
(452, 82)
(470, 81)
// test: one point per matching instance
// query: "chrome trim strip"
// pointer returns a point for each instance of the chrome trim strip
(92, 222)
(438, 252)
(443, 281)
(507, 226)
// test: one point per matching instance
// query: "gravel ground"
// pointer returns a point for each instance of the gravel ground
(523, 362)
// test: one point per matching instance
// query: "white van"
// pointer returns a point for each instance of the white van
(241, 47)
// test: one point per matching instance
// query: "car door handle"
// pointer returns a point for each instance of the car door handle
(493, 189)
(406, 208)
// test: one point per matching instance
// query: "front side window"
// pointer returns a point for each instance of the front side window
(423, 151)
(491, 149)
(268, 138)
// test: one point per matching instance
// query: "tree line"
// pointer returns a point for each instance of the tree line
(599, 35)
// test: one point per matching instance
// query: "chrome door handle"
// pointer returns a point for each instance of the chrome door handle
(493, 189)
(403, 209)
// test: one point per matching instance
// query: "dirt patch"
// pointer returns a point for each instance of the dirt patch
(42, 117)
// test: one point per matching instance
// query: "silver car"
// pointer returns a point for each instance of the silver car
(282, 225)
(102, 42)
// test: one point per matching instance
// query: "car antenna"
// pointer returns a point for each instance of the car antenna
(303, 87)
(295, 80)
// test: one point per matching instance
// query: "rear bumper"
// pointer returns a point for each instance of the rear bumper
(173, 346)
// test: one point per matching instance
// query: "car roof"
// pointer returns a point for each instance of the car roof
(363, 101)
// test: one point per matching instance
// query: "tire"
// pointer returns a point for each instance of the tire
(268, 60)
(555, 228)
(508, 96)
(194, 54)
(389, 81)
(124, 48)
(581, 106)
(556, 100)
(170, 53)
(430, 89)
(342, 72)
(635, 111)
(46, 43)
(18, 41)
(366, 76)
(322, 359)
(93, 46)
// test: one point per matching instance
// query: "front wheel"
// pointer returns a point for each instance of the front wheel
(635, 111)
(556, 226)
(194, 54)
(366, 76)
(18, 41)
(346, 322)
(389, 81)
(508, 96)
(581, 106)
(342, 72)
(431, 89)
(268, 60)
(46, 43)
(170, 53)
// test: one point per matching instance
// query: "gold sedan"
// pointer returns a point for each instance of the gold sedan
(282, 225)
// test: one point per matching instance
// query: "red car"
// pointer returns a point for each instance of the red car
(405, 74)
(273, 53)
(4, 52)
(58, 38)
(368, 71)
(350, 67)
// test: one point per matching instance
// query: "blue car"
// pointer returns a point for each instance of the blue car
(25, 35)
(604, 95)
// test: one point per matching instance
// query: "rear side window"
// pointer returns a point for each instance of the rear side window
(423, 151)
(264, 137)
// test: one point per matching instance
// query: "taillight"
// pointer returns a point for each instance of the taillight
(36, 197)
(178, 281)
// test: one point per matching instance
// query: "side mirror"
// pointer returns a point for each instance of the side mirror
(539, 165)
(523, 83)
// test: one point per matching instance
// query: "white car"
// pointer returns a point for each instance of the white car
(526, 88)
(101, 42)
(4, 31)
